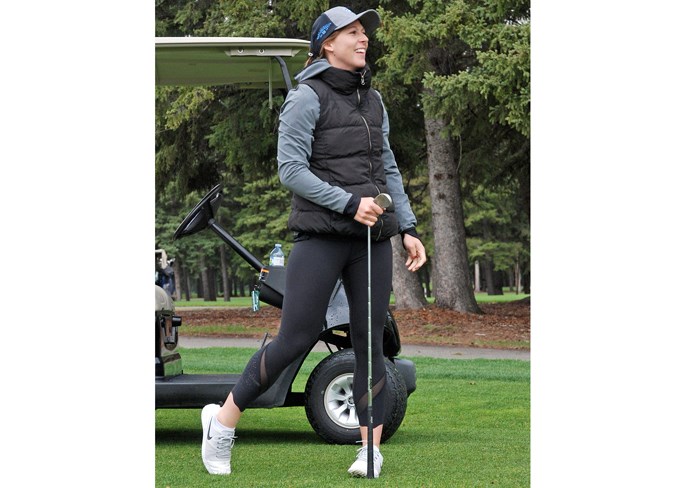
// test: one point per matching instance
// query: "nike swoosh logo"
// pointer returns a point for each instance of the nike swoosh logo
(209, 437)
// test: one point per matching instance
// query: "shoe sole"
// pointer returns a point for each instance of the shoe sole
(359, 473)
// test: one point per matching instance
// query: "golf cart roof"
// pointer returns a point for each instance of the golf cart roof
(248, 62)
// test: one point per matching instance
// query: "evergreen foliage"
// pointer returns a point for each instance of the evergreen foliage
(465, 60)
(469, 63)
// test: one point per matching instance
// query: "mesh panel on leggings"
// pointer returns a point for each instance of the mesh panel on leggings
(363, 403)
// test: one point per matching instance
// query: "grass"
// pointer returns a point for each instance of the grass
(223, 330)
(467, 425)
(234, 302)
(508, 296)
(526, 345)
(481, 297)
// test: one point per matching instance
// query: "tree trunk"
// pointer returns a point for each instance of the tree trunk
(406, 285)
(186, 280)
(207, 275)
(213, 285)
(494, 282)
(178, 274)
(224, 273)
(489, 276)
(424, 275)
(478, 283)
(451, 275)
(185, 283)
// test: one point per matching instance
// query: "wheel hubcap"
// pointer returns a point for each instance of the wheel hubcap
(339, 403)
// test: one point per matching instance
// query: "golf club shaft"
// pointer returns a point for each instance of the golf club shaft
(384, 201)
(370, 423)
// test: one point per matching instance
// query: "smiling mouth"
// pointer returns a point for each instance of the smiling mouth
(360, 51)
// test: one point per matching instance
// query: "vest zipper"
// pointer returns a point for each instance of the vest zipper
(371, 172)
(379, 223)
(366, 125)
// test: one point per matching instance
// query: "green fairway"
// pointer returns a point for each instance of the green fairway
(467, 424)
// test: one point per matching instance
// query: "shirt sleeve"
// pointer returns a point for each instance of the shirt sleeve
(405, 216)
(298, 117)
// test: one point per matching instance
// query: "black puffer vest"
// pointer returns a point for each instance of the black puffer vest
(346, 152)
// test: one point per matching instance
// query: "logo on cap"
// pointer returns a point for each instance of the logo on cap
(323, 30)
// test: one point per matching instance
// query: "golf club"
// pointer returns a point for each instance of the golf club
(384, 201)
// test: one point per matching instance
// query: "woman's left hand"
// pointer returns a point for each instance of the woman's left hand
(415, 252)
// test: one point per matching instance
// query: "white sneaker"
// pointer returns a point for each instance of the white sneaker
(216, 446)
(359, 467)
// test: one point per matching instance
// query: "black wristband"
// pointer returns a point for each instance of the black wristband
(352, 206)
(412, 232)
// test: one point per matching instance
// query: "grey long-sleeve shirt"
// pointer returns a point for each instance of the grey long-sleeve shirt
(299, 115)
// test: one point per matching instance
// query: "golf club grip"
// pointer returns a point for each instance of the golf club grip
(383, 200)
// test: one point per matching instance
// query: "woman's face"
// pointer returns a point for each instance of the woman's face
(348, 49)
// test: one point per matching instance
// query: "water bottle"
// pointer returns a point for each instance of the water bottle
(277, 256)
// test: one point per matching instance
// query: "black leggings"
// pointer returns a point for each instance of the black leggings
(313, 269)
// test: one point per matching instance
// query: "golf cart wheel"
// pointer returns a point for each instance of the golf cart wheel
(330, 407)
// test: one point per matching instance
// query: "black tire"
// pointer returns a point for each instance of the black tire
(329, 403)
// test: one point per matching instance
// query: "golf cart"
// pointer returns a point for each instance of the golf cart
(328, 393)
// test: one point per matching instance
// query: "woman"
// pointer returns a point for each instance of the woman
(334, 155)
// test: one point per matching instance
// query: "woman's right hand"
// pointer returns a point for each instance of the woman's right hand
(368, 211)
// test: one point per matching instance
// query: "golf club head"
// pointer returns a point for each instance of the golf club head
(383, 200)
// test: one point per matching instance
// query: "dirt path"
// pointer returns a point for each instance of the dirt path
(501, 326)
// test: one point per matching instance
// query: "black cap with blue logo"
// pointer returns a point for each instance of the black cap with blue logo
(336, 18)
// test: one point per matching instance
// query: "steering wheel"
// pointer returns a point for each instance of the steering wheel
(198, 218)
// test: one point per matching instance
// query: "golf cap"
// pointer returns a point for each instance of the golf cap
(337, 18)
